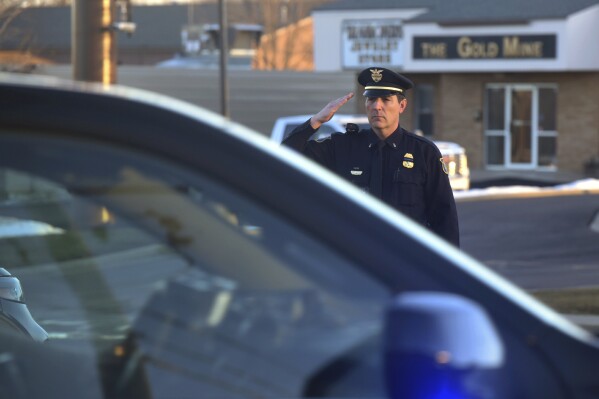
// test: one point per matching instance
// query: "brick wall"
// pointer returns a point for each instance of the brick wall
(457, 110)
(461, 101)
(577, 120)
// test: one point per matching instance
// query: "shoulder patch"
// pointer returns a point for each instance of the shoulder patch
(444, 165)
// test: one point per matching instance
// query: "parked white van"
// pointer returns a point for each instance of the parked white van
(454, 155)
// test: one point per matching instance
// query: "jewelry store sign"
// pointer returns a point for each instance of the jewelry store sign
(371, 42)
(506, 47)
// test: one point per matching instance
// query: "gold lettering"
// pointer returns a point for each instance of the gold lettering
(533, 49)
(434, 50)
(539, 49)
(492, 50)
(464, 47)
(478, 50)
(510, 46)
(469, 49)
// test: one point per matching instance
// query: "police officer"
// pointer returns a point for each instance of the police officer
(404, 170)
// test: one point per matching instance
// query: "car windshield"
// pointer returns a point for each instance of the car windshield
(208, 284)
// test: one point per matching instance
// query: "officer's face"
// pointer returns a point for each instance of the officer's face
(383, 112)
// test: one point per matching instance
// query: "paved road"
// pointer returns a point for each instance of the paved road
(536, 242)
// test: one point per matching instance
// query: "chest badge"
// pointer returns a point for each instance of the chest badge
(356, 172)
(408, 161)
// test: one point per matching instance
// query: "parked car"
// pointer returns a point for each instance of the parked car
(454, 155)
(199, 259)
(14, 314)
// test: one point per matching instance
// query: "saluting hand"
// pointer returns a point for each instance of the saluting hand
(329, 110)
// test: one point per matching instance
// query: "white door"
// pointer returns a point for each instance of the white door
(520, 126)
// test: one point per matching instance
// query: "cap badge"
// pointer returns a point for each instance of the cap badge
(444, 166)
(408, 161)
(377, 75)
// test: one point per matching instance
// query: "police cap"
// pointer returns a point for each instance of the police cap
(382, 82)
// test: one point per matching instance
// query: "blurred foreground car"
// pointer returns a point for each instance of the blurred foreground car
(198, 259)
(454, 154)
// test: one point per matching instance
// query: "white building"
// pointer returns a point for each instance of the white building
(515, 82)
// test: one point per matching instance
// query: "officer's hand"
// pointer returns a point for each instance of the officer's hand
(329, 110)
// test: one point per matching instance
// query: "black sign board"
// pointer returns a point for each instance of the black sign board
(469, 47)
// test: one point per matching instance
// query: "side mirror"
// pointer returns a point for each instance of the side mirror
(441, 345)
(14, 313)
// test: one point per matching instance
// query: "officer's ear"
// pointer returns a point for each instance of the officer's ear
(403, 103)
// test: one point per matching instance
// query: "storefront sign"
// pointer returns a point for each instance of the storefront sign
(484, 47)
(371, 42)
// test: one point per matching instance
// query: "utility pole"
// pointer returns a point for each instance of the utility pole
(224, 53)
(93, 41)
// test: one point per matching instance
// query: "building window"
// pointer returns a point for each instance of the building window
(495, 108)
(520, 126)
(424, 109)
(495, 150)
(547, 127)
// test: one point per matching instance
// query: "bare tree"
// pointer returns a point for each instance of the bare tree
(15, 56)
(9, 10)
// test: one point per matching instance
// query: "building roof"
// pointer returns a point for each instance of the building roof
(376, 4)
(492, 11)
(455, 12)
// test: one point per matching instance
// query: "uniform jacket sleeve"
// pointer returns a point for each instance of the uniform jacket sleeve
(319, 151)
(440, 205)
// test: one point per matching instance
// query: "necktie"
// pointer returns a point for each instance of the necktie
(376, 170)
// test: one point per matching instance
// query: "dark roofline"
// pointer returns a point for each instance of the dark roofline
(471, 22)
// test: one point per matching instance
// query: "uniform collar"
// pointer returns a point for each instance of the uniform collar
(393, 141)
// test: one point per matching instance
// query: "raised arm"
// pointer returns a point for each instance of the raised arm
(325, 114)
(299, 137)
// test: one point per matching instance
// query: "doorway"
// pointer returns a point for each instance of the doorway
(520, 128)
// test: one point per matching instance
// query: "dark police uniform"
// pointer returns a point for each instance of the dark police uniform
(404, 170)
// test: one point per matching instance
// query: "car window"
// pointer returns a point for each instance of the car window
(199, 288)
